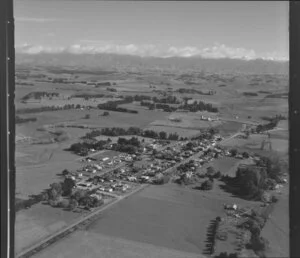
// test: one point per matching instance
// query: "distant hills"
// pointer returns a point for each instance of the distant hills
(139, 64)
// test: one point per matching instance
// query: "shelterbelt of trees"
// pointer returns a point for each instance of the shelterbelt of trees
(273, 122)
(50, 108)
(20, 120)
(118, 131)
(39, 95)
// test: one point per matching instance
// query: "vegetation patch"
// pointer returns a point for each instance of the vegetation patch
(250, 94)
(20, 120)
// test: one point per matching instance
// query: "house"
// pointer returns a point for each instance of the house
(97, 166)
(131, 178)
(128, 158)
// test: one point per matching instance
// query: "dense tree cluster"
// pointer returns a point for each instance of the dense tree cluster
(193, 91)
(254, 180)
(199, 106)
(82, 198)
(20, 120)
(113, 106)
(160, 135)
(132, 141)
(206, 134)
(255, 224)
(186, 166)
(111, 89)
(50, 108)
(89, 96)
(39, 95)
(207, 184)
(141, 97)
(58, 193)
(273, 122)
(274, 167)
(82, 148)
(118, 131)
(250, 94)
(24, 83)
(102, 84)
(114, 131)
(164, 107)
(129, 146)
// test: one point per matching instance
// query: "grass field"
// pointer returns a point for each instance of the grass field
(91, 245)
(276, 229)
(254, 142)
(38, 222)
(226, 165)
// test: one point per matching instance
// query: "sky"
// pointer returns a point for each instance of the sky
(216, 29)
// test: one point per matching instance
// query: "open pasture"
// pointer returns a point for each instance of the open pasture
(38, 222)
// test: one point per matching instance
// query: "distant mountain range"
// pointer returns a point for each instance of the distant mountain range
(139, 64)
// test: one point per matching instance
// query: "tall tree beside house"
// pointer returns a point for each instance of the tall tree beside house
(68, 186)
(163, 135)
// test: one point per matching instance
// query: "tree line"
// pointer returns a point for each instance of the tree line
(118, 131)
(20, 120)
(199, 106)
(113, 105)
(273, 122)
(50, 108)
(40, 94)
(82, 148)
(193, 91)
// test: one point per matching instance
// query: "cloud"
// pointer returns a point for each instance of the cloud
(35, 19)
(147, 50)
(36, 49)
(50, 34)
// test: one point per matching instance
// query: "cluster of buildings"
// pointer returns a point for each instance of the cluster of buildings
(208, 118)
(120, 173)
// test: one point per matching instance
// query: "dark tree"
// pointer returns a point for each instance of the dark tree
(68, 186)
(233, 152)
(163, 135)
